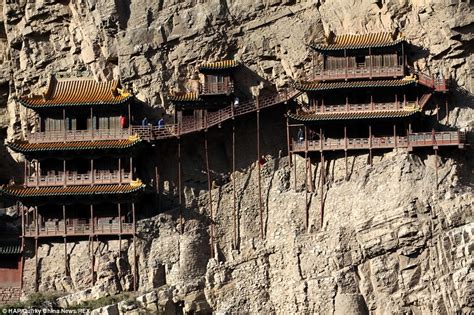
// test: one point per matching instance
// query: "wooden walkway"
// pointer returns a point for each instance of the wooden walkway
(190, 125)
(414, 140)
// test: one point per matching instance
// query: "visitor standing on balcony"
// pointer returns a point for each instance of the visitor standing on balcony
(123, 121)
(161, 123)
(300, 135)
(145, 122)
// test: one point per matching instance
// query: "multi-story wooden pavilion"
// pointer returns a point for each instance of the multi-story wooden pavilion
(79, 173)
(364, 96)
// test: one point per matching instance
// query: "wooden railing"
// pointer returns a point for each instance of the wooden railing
(358, 72)
(78, 135)
(217, 88)
(421, 139)
(190, 125)
(57, 229)
(71, 178)
(363, 107)
(438, 84)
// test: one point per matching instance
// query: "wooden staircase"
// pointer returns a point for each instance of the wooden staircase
(191, 125)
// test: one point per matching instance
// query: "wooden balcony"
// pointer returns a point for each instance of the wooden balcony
(217, 88)
(78, 135)
(421, 139)
(52, 229)
(360, 107)
(72, 178)
(358, 72)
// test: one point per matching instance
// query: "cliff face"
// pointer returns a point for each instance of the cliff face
(390, 240)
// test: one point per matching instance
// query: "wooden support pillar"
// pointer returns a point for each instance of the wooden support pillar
(234, 190)
(132, 173)
(436, 168)
(180, 188)
(323, 181)
(25, 172)
(91, 239)
(345, 152)
(64, 173)
(93, 172)
(288, 139)
(209, 188)
(260, 203)
(437, 111)
(294, 168)
(36, 265)
(370, 145)
(135, 273)
(37, 173)
(64, 124)
(92, 122)
(306, 217)
(447, 110)
(119, 210)
(158, 187)
(66, 269)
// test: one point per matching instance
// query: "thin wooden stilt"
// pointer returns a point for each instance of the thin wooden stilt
(288, 140)
(234, 190)
(119, 210)
(294, 168)
(306, 216)
(91, 238)
(180, 199)
(345, 153)
(370, 145)
(65, 257)
(447, 110)
(436, 167)
(36, 265)
(323, 182)
(209, 188)
(135, 273)
(260, 204)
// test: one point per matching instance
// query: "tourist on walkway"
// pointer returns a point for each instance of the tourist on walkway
(161, 123)
(300, 135)
(145, 122)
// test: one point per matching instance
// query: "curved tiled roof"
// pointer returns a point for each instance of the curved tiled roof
(76, 92)
(320, 86)
(19, 191)
(219, 65)
(184, 97)
(358, 41)
(353, 115)
(27, 147)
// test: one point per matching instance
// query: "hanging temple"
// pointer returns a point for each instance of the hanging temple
(361, 95)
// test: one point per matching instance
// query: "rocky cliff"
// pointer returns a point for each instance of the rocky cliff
(391, 240)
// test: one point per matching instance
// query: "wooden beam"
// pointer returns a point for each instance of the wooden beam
(209, 188)
(234, 190)
(135, 273)
(180, 200)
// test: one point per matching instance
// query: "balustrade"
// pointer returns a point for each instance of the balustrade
(72, 178)
(75, 229)
(78, 135)
(413, 140)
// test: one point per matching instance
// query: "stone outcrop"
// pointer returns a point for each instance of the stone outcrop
(390, 241)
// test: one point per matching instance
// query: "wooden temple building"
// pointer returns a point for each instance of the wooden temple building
(11, 260)
(80, 178)
(363, 96)
(79, 173)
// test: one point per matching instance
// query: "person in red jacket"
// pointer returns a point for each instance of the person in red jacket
(123, 121)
